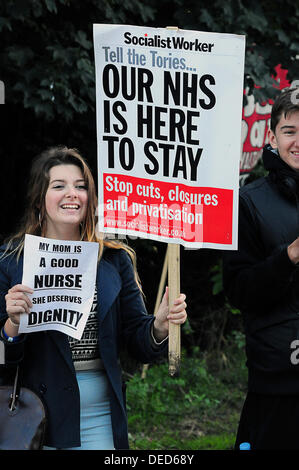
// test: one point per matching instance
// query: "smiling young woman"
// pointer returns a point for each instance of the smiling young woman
(65, 202)
(48, 181)
(80, 382)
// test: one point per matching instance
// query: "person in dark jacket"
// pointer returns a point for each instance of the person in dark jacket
(79, 381)
(261, 278)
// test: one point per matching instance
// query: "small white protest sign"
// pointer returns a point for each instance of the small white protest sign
(63, 276)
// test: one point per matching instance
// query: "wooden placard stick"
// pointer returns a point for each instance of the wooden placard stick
(162, 282)
(158, 299)
(174, 344)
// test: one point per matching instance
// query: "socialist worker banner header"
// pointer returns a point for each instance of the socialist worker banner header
(169, 113)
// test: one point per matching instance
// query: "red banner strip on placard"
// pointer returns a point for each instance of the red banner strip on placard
(171, 210)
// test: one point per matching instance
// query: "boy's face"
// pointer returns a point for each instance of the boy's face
(286, 139)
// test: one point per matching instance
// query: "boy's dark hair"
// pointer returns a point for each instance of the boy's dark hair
(287, 102)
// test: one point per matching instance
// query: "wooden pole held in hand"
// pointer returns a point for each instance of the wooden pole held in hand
(160, 294)
(174, 342)
(174, 347)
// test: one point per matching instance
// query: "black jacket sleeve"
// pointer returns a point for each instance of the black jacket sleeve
(252, 279)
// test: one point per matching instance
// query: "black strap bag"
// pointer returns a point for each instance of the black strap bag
(22, 418)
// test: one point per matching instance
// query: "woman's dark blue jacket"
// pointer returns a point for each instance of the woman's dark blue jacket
(47, 366)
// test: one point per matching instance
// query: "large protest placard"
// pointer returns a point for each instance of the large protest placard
(169, 112)
(63, 276)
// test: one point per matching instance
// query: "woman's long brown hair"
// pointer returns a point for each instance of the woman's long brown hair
(34, 219)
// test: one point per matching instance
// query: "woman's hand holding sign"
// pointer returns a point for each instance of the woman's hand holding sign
(177, 314)
(17, 302)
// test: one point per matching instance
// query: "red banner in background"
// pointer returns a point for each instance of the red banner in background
(255, 124)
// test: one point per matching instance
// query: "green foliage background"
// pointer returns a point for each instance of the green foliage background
(47, 58)
(199, 409)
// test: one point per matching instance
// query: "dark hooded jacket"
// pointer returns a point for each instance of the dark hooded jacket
(263, 283)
